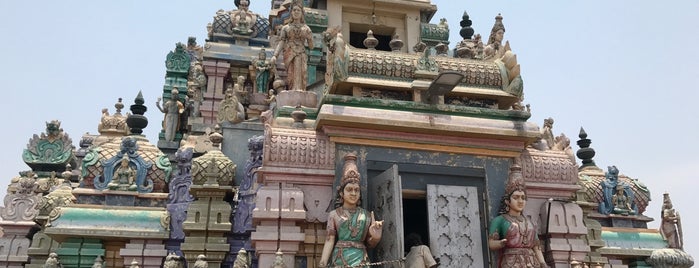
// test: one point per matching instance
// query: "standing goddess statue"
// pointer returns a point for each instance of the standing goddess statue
(354, 227)
(294, 37)
(511, 233)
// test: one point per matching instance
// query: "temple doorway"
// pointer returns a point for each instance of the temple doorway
(444, 205)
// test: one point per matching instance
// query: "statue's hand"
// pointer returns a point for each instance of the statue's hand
(375, 229)
(273, 59)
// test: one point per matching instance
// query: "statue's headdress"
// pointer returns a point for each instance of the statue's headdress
(496, 27)
(515, 182)
(350, 174)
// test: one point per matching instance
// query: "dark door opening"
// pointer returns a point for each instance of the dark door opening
(415, 220)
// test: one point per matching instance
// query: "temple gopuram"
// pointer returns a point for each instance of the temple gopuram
(331, 133)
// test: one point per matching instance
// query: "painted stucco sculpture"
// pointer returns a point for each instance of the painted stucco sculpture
(511, 233)
(294, 37)
(52, 150)
(353, 226)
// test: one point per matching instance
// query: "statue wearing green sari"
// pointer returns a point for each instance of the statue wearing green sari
(354, 227)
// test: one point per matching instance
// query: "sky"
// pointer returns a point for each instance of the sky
(624, 70)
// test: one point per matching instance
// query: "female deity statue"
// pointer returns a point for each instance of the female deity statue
(262, 72)
(494, 47)
(172, 110)
(355, 228)
(511, 233)
(294, 37)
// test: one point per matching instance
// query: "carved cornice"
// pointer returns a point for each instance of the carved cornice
(297, 148)
(548, 166)
(402, 66)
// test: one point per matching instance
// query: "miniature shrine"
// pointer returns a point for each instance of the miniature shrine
(324, 135)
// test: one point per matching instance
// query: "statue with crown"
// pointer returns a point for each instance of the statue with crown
(354, 227)
(512, 235)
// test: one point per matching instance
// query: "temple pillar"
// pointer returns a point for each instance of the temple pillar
(560, 222)
(148, 253)
(216, 72)
(14, 243)
(39, 250)
(278, 229)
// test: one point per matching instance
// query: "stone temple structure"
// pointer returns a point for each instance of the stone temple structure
(257, 124)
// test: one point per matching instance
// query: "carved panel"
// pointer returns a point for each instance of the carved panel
(455, 225)
(475, 72)
(297, 148)
(387, 94)
(548, 166)
(385, 191)
(381, 63)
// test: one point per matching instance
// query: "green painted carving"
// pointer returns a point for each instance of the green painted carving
(434, 33)
(398, 105)
(90, 159)
(163, 163)
(427, 64)
(317, 20)
(178, 61)
(52, 147)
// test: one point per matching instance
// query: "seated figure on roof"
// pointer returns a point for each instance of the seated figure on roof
(617, 197)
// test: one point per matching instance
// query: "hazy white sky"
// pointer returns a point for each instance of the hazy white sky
(623, 70)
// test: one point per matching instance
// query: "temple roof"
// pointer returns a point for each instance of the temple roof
(109, 223)
(631, 241)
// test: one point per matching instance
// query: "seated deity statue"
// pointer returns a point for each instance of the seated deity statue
(124, 177)
(243, 19)
(230, 109)
(621, 202)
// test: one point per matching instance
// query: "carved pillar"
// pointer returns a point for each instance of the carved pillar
(298, 169)
(40, 248)
(148, 253)
(553, 174)
(216, 71)
(565, 230)
(14, 243)
(278, 223)
(20, 208)
(208, 218)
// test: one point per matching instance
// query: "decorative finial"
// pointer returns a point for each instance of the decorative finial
(371, 42)
(396, 44)
(136, 121)
(442, 49)
(585, 153)
(66, 175)
(216, 137)
(119, 105)
(298, 115)
(466, 30)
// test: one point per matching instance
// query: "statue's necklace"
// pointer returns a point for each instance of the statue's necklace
(521, 220)
(353, 220)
